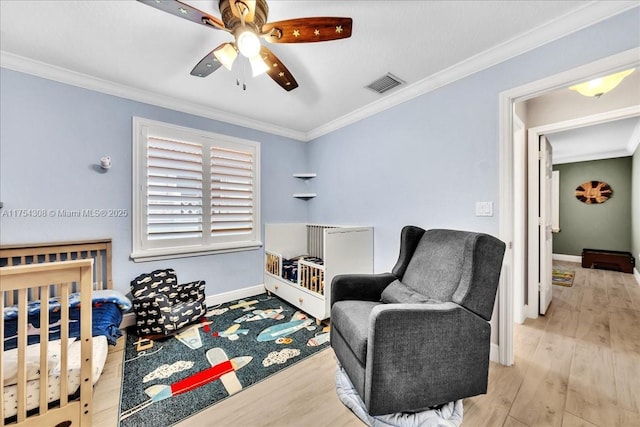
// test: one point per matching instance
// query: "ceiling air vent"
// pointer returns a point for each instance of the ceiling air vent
(385, 83)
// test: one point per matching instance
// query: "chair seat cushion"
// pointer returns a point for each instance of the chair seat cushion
(187, 310)
(399, 293)
(351, 320)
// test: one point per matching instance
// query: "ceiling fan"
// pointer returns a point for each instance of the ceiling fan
(246, 20)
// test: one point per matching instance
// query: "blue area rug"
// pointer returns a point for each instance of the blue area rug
(236, 345)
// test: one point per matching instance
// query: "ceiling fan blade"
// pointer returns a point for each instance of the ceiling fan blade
(185, 11)
(306, 30)
(277, 70)
(249, 5)
(208, 64)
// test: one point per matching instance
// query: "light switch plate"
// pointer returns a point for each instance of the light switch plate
(484, 208)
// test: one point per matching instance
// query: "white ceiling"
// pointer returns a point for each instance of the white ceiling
(129, 49)
(617, 138)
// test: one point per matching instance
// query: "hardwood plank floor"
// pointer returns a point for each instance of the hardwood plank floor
(578, 366)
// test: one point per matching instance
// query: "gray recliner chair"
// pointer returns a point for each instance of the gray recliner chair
(419, 336)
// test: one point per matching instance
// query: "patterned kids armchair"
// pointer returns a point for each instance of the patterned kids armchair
(162, 306)
(419, 336)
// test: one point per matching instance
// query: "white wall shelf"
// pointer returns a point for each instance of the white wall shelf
(304, 196)
(304, 175)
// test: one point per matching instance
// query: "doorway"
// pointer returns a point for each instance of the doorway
(513, 207)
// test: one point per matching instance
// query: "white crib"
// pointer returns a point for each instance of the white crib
(319, 253)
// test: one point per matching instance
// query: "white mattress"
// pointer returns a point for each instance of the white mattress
(9, 366)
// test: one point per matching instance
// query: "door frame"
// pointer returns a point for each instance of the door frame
(534, 135)
(507, 206)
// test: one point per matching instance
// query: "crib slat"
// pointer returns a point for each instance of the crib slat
(44, 343)
(99, 284)
(86, 370)
(107, 261)
(22, 346)
(64, 342)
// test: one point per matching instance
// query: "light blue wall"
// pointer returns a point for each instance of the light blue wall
(51, 137)
(427, 161)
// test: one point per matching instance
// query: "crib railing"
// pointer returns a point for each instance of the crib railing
(38, 279)
(315, 239)
(273, 263)
(310, 274)
(23, 254)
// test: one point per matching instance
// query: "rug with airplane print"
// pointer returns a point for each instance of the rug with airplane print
(233, 346)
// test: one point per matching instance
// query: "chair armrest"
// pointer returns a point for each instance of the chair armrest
(433, 353)
(192, 291)
(364, 287)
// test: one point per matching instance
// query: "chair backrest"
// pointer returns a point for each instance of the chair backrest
(158, 281)
(458, 266)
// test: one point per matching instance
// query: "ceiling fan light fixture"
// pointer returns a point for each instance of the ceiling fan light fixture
(248, 43)
(600, 86)
(226, 55)
(258, 66)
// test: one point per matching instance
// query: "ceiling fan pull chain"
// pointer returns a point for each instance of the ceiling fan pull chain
(244, 75)
(238, 74)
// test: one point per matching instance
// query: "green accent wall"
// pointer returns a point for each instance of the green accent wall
(597, 226)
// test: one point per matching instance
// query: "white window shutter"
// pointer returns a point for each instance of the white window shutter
(232, 194)
(174, 189)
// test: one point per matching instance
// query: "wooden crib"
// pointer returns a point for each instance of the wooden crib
(39, 272)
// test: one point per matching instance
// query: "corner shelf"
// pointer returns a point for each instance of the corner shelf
(304, 176)
(304, 196)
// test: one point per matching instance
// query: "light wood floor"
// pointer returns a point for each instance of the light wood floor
(577, 366)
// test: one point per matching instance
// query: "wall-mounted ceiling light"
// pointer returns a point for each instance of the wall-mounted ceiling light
(248, 43)
(226, 55)
(258, 66)
(600, 86)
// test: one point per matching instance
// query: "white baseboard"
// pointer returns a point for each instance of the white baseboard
(234, 295)
(494, 353)
(129, 319)
(568, 258)
(636, 274)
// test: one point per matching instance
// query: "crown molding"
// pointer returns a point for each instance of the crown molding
(40, 69)
(594, 119)
(589, 14)
(634, 141)
(600, 155)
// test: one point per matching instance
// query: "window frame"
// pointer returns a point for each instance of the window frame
(142, 249)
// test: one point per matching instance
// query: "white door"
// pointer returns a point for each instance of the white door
(545, 223)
